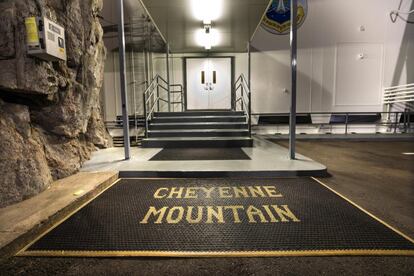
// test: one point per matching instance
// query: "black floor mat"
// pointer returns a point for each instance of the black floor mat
(220, 217)
(182, 154)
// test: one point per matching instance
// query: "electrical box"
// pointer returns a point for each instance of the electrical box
(45, 39)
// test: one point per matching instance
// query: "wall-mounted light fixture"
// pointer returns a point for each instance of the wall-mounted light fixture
(207, 37)
(207, 11)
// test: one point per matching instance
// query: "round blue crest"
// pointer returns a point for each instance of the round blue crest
(277, 17)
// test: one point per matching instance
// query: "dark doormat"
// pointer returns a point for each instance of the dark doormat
(182, 154)
(220, 217)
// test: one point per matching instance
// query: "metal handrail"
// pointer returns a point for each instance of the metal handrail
(151, 90)
(159, 85)
(393, 124)
(148, 117)
(150, 103)
(181, 92)
(399, 94)
(161, 78)
(242, 85)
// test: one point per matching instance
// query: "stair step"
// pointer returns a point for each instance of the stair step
(199, 125)
(198, 133)
(199, 113)
(204, 142)
(187, 119)
(198, 129)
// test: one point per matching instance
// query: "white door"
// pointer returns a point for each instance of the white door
(208, 83)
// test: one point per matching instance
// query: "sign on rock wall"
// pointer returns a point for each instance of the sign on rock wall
(277, 17)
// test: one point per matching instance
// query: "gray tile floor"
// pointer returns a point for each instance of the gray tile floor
(265, 156)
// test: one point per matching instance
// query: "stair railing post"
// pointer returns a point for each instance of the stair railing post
(405, 120)
(145, 115)
(250, 114)
(396, 122)
(158, 97)
(346, 123)
(168, 76)
(242, 96)
(182, 99)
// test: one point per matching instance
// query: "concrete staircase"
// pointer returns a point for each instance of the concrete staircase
(198, 129)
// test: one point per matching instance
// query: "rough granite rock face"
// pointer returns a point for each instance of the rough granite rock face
(50, 115)
(23, 165)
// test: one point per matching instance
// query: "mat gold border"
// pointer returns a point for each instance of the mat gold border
(184, 254)
(289, 253)
(24, 249)
(365, 211)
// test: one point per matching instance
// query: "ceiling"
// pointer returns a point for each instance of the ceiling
(178, 25)
(136, 27)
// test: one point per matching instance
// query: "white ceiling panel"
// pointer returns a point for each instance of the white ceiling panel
(178, 24)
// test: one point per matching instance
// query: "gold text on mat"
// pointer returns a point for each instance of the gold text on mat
(219, 214)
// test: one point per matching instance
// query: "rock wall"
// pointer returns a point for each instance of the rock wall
(50, 116)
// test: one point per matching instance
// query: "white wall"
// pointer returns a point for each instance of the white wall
(330, 76)
(110, 88)
(111, 92)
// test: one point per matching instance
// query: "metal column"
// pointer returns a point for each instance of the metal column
(168, 76)
(293, 50)
(134, 83)
(122, 75)
(249, 78)
(249, 65)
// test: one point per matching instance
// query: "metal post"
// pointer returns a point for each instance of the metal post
(389, 113)
(158, 97)
(134, 83)
(122, 74)
(145, 115)
(150, 64)
(182, 99)
(242, 95)
(249, 66)
(168, 76)
(396, 122)
(249, 78)
(405, 120)
(144, 54)
(293, 51)
(346, 123)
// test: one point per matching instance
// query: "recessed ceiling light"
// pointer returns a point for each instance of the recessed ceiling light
(207, 10)
(408, 153)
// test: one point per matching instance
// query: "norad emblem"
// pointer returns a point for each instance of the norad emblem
(277, 17)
